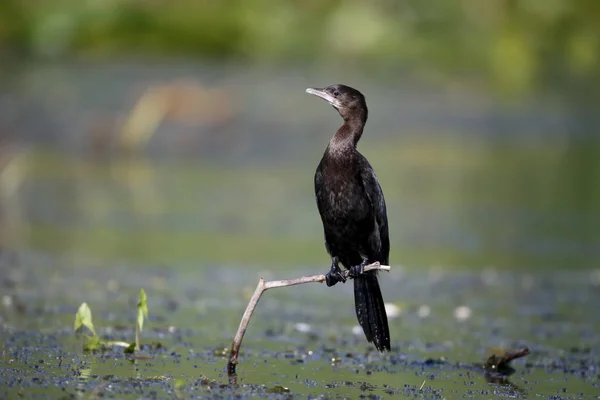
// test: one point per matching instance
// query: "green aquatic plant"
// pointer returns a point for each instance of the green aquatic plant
(83, 319)
(142, 311)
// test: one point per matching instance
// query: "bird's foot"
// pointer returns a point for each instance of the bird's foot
(331, 278)
(335, 274)
(357, 270)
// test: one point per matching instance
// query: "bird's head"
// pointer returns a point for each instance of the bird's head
(349, 102)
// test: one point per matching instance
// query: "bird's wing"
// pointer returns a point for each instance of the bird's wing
(319, 186)
(320, 200)
(375, 195)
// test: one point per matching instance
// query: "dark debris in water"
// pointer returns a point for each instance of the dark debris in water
(108, 375)
(112, 375)
(501, 364)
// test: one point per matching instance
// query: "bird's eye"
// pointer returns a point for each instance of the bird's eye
(336, 93)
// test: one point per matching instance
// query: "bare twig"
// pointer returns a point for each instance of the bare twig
(260, 288)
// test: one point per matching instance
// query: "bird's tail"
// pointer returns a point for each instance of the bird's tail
(370, 310)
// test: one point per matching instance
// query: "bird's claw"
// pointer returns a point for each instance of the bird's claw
(357, 270)
(333, 277)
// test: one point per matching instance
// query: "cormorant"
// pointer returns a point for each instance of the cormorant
(353, 211)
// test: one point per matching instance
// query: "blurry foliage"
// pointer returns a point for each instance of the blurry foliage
(13, 26)
(514, 46)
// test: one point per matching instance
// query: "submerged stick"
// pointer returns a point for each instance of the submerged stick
(501, 363)
(260, 288)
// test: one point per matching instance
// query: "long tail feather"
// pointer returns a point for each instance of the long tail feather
(370, 310)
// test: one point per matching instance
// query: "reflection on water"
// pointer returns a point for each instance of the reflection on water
(473, 206)
(235, 184)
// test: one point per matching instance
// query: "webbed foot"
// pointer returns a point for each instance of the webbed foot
(335, 274)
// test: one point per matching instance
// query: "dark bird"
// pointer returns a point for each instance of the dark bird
(352, 208)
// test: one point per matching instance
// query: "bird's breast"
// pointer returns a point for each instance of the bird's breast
(343, 199)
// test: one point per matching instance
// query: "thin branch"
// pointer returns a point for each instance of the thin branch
(260, 288)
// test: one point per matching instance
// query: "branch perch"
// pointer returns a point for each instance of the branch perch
(262, 287)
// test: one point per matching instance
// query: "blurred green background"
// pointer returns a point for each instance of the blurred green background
(179, 131)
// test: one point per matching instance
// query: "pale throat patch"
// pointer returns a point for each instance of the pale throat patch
(340, 146)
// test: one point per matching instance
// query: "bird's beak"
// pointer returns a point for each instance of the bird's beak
(324, 95)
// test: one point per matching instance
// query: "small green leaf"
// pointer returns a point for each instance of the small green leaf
(84, 318)
(92, 344)
(142, 309)
(130, 349)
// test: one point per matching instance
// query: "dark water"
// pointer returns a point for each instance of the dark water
(494, 216)
(301, 338)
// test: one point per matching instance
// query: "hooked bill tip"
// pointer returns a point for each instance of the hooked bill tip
(324, 95)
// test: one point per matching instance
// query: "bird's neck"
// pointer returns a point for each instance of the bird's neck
(347, 136)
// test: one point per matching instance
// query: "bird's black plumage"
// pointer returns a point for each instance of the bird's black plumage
(353, 212)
